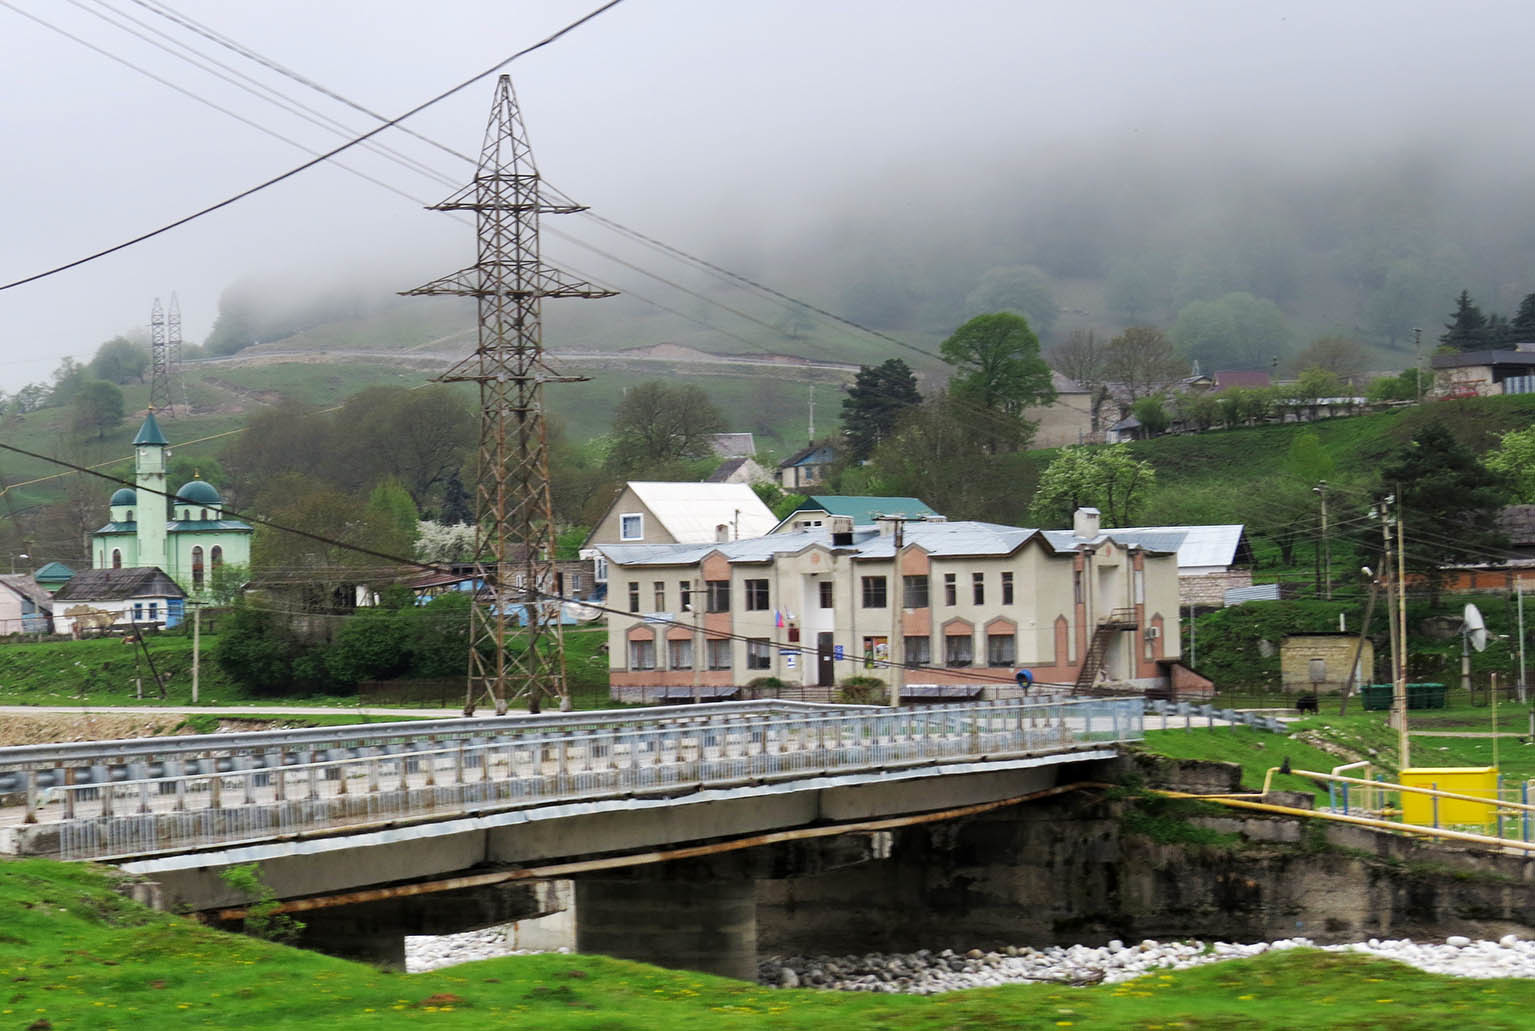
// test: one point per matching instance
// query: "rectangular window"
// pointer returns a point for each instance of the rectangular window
(1076, 586)
(642, 655)
(756, 595)
(978, 588)
(634, 596)
(874, 592)
(825, 588)
(719, 595)
(919, 651)
(685, 593)
(1140, 587)
(718, 654)
(575, 582)
(600, 569)
(759, 654)
(154, 611)
(631, 527)
(950, 591)
(679, 654)
(914, 592)
(138, 612)
(1007, 587)
(958, 651)
(659, 588)
(1001, 649)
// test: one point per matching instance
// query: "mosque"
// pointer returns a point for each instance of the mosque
(189, 539)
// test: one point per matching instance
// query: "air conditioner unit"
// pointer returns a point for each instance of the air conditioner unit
(1153, 632)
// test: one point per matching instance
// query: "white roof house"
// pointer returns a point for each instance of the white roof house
(650, 512)
(1205, 549)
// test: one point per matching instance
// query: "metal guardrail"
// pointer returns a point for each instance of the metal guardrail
(1210, 714)
(274, 792)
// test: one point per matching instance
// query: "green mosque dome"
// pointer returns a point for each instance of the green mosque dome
(125, 496)
(198, 492)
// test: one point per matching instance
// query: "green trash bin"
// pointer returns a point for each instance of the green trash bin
(1425, 696)
(1377, 697)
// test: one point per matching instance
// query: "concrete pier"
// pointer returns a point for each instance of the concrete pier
(675, 914)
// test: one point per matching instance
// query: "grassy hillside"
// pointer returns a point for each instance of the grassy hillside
(74, 954)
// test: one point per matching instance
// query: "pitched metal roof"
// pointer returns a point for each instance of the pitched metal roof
(150, 432)
(119, 585)
(734, 445)
(193, 525)
(691, 511)
(1214, 545)
(864, 509)
(54, 571)
(28, 587)
(939, 539)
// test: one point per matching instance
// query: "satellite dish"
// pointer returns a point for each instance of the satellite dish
(1476, 630)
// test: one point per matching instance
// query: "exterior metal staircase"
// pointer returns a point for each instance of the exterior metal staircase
(1116, 622)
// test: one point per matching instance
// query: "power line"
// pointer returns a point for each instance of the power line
(327, 155)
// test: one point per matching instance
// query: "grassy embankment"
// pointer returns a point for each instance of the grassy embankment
(102, 672)
(75, 955)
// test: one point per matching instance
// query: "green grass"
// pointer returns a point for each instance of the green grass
(1255, 751)
(76, 955)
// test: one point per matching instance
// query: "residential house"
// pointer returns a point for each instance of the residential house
(1212, 560)
(26, 607)
(734, 445)
(967, 604)
(650, 512)
(1485, 373)
(1320, 663)
(1247, 379)
(1069, 418)
(100, 599)
(1516, 571)
(818, 509)
(807, 467)
(53, 576)
(740, 470)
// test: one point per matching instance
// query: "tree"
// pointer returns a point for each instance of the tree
(444, 542)
(874, 404)
(68, 378)
(457, 505)
(1140, 363)
(1108, 478)
(1448, 501)
(998, 373)
(1522, 327)
(419, 437)
(1236, 330)
(657, 422)
(1084, 359)
(937, 451)
(1021, 289)
(391, 520)
(1467, 328)
(1152, 415)
(370, 645)
(1342, 356)
(120, 360)
(98, 405)
(1514, 459)
(1313, 384)
(1408, 385)
(436, 636)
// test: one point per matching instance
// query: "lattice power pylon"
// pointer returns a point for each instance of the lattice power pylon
(514, 541)
(159, 363)
(173, 370)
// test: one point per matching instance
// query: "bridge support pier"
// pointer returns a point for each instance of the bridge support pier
(688, 915)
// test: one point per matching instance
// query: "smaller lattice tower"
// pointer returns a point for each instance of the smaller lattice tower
(159, 363)
(173, 367)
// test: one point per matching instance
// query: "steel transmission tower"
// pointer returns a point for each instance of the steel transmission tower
(159, 362)
(174, 373)
(514, 539)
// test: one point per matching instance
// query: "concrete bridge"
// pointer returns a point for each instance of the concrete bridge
(664, 817)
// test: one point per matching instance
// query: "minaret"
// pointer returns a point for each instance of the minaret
(150, 451)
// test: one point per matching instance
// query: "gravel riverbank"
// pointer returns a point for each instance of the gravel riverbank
(926, 972)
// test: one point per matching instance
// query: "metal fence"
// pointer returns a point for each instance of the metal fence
(253, 793)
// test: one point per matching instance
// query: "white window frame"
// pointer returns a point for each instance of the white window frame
(639, 524)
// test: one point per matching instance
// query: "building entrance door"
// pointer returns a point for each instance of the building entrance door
(825, 663)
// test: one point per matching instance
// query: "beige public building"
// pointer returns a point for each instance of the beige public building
(965, 602)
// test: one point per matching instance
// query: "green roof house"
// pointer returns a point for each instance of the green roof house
(819, 508)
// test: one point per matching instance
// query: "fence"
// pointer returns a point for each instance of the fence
(227, 793)
(1208, 714)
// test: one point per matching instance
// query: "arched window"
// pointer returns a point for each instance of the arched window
(197, 569)
(130, 516)
(216, 556)
(205, 515)
(117, 559)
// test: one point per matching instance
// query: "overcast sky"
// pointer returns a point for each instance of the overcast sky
(698, 121)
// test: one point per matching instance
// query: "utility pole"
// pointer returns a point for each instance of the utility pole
(1401, 632)
(1519, 586)
(812, 413)
(1398, 686)
(514, 532)
(1325, 559)
(1417, 368)
(896, 651)
(197, 642)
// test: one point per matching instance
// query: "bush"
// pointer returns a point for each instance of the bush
(862, 691)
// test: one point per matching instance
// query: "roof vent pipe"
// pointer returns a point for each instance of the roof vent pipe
(1085, 522)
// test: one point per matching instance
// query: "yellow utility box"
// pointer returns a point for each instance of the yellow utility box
(1481, 781)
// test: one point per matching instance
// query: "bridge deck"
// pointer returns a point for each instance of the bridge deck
(118, 799)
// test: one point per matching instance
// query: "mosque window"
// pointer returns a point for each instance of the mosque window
(205, 515)
(117, 559)
(130, 515)
(216, 556)
(197, 569)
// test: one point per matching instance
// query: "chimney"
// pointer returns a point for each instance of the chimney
(842, 531)
(1084, 523)
(721, 533)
